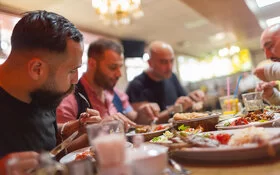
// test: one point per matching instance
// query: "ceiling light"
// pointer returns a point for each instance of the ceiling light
(117, 12)
(263, 3)
(273, 21)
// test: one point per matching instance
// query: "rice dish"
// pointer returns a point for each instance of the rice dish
(249, 135)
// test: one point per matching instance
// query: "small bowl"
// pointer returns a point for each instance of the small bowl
(208, 123)
(148, 159)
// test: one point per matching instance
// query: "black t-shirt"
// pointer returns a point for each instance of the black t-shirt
(164, 93)
(24, 127)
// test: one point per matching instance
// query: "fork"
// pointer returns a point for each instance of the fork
(153, 123)
(181, 170)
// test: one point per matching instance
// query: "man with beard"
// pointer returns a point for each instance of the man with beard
(40, 70)
(270, 42)
(97, 87)
(159, 85)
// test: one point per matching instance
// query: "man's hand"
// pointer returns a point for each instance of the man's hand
(19, 163)
(259, 72)
(118, 116)
(147, 112)
(267, 88)
(90, 116)
(185, 101)
(197, 95)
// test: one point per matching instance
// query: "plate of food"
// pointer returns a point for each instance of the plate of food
(148, 131)
(194, 119)
(272, 108)
(80, 154)
(229, 145)
(256, 118)
(84, 153)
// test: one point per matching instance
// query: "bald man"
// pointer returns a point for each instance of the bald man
(158, 84)
(270, 42)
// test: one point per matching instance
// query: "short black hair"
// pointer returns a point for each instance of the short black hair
(43, 30)
(96, 49)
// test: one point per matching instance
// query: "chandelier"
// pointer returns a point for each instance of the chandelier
(118, 12)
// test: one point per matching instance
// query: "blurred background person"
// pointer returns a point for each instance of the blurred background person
(270, 42)
(159, 84)
(96, 88)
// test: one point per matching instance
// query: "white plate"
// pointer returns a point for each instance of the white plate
(228, 153)
(71, 156)
(221, 125)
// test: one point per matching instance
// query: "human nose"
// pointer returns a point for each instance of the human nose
(74, 78)
(170, 65)
(119, 72)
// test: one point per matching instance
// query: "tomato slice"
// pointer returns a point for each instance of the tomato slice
(223, 138)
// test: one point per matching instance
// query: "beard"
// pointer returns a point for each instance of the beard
(45, 98)
(103, 80)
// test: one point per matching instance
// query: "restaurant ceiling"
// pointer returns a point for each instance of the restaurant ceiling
(193, 27)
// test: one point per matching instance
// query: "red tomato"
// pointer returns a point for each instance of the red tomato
(240, 121)
(223, 138)
(159, 127)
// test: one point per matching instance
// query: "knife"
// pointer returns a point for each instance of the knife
(63, 145)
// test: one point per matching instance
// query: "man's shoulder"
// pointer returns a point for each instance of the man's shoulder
(139, 79)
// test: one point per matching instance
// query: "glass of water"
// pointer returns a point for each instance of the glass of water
(253, 101)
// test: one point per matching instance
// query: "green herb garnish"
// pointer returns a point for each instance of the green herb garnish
(262, 121)
(227, 124)
(183, 127)
(155, 139)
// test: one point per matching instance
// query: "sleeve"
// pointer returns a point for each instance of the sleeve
(67, 109)
(275, 98)
(272, 72)
(135, 92)
(125, 103)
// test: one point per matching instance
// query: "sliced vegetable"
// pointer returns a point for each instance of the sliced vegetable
(183, 127)
(223, 138)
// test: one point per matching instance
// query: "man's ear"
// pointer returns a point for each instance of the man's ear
(92, 63)
(36, 68)
(149, 62)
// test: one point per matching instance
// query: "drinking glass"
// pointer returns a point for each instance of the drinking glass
(104, 128)
(253, 101)
(229, 104)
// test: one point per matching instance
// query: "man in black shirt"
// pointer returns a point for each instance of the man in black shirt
(158, 83)
(41, 69)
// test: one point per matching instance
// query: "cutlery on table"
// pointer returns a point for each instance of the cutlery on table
(176, 166)
(63, 145)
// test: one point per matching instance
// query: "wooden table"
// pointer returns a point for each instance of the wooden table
(268, 166)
